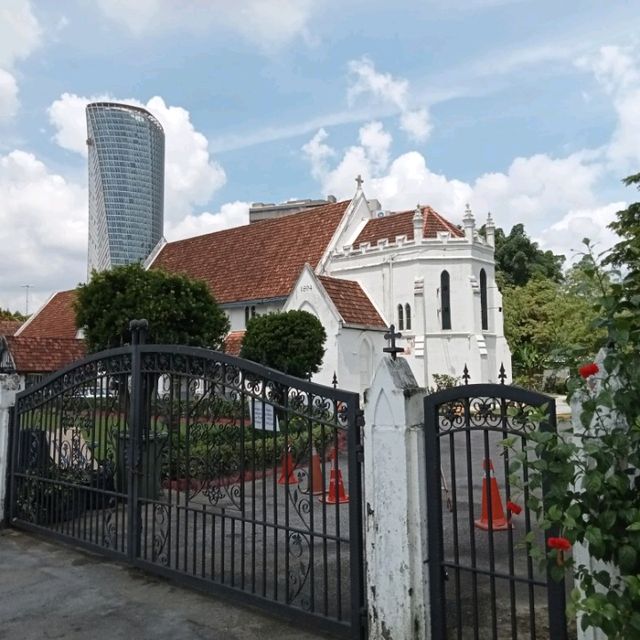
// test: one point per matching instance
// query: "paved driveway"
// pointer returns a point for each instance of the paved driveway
(53, 591)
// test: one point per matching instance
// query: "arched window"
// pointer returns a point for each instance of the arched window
(400, 318)
(407, 317)
(483, 300)
(445, 300)
(246, 316)
(253, 312)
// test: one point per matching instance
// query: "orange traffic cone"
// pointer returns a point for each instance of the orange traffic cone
(498, 520)
(286, 469)
(316, 485)
(336, 489)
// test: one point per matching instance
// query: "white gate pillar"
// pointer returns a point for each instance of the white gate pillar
(9, 386)
(394, 478)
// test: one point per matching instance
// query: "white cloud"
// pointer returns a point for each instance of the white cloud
(566, 235)
(20, 32)
(376, 142)
(616, 70)
(192, 176)
(538, 190)
(366, 81)
(231, 214)
(43, 221)
(8, 95)
(318, 153)
(267, 24)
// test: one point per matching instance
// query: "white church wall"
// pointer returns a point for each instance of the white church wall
(307, 296)
(359, 352)
(408, 274)
(237, 317)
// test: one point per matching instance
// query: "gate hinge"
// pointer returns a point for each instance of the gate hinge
(359, 418)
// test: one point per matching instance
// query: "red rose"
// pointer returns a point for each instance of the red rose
(514, 508)
(559, 543)
(589, 369)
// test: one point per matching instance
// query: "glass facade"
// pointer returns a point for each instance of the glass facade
(126, 184)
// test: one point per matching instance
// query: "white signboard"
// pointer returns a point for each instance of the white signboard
(260, 411)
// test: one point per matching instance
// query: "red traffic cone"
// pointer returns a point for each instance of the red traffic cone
(286, 470)
(498, 520)
(336, 489)
(316, 486)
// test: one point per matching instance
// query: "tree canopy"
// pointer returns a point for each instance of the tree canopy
(292, 342)
(518, 258)
(179, 310)
(5, 314)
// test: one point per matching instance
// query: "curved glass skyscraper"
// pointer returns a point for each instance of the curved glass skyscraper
(126, 184)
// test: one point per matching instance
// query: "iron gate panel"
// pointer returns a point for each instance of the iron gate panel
(483, 581)
(202, 467)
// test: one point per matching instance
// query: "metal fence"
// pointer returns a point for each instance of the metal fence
(204, 468)
(484, 580)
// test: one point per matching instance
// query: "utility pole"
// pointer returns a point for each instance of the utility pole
(26, 288)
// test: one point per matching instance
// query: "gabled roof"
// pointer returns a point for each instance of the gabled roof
(233, 343)
(44, 355)
(56, 319)
(257, 261)
(401, 224)
(352, 302)
(9, 327)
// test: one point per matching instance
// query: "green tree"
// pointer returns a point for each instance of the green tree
(543, 319)
(591, 472)
(5, 314)
(179, 310)
(518, 259)
(292, 342)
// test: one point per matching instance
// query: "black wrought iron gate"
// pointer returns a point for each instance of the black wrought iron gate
(484, 582)
(204, 468)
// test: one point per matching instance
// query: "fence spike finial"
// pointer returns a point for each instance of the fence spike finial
(503, 374)
(465, 374)
(334, 382)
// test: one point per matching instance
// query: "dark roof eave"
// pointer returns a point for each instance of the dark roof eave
(364, 327)
(243, 303)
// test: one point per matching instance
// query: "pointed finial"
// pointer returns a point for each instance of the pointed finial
(417, 214)
(503, 374)
(359, 182)
(334, 382)
(465, 374)
(468, 215)
(489, 219)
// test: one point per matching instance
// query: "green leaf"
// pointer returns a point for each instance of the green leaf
(627, 557)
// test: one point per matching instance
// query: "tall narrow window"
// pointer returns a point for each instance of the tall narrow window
(400, 318)
(253, 312)
(483, 300)
(246, 316)
(407, 317)
(445, 300)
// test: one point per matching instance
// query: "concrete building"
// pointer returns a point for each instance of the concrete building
(126, 184)
(267, 210)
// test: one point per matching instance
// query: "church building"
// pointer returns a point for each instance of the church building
(355, 266)
(360, 269)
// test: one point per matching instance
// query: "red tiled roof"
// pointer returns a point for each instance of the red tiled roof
(233, 343)
(401, 224)
(9, 327)
(256, 261)
(43, 355)
(55, 320)
(352, 302)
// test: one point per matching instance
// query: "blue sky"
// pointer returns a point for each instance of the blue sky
(530, 109)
